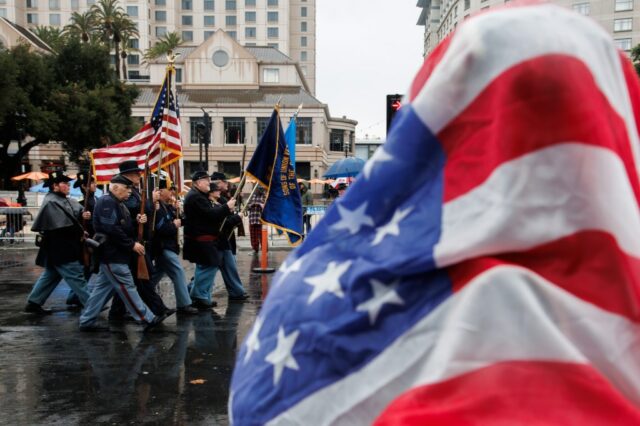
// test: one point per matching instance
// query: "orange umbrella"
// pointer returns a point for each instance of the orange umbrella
(31, 176)
(318, 181)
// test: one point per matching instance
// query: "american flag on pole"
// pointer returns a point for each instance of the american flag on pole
(163, 129)
(484, 268)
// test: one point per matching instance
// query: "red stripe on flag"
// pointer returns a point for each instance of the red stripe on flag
(515, 393)
(633, 86)
(429, 65)
(589, 265)
(528, 107)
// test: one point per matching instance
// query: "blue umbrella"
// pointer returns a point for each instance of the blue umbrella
(347, 167)
(75, 192)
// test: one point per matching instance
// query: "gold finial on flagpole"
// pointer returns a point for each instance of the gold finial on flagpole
(171, 58)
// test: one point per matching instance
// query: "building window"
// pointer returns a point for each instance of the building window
(336, 140)
(233, 130)
(178, 75)
(250, 3)
(32, 4)
(54, 4)
(91, 3)
(467, 4)
(272, 2)
(303, 170)
(303, 41)
(161, 16)
(230, 5)
(54, 19)
(303, 56)
(303, 26)
(231, 169)
(272, 32)
(233, 34)
(623, 43)
(303, 131)
(193, 129)
(160, 31)
(209, 21)
(582, 8)
(303, 11)
(132, 10)
(187, 35)
(187, 20)
(250, 17)
(622, 5)
(134, 43)
(271, 75)
(161, 2)
(75, 4)
(263, 122)
(209, 5)
(187, 4)
(272, 16)
(250, 44)
(230, 21)
(622, 24)
(133, 59)
(32, 18)
(134, 75)
(249, 32)
(208, 34)
(274, 45)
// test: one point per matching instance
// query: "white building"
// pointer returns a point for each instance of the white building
(621, 18)
(287, 25)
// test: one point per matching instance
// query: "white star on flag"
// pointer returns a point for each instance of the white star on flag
(253, 343)
(328, 281)
(287, 268)
(353, 220)
(281, 356)
(392, 227)
(382, 295)
(380, 156)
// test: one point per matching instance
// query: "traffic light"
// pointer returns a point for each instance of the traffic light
(394, 103)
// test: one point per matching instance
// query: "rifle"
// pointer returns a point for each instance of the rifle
(236, 195)
(86, 254)
(241, 232)
(143, 271)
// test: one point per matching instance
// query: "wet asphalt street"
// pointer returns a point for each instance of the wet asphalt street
(178, 374)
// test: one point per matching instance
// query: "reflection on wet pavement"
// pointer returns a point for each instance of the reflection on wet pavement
(50, 373)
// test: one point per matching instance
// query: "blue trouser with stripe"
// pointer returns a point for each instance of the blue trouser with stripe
(71, 272)
(114, 277)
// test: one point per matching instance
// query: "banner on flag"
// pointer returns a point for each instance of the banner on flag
(161, 131)
(499, 282)
(271, 167)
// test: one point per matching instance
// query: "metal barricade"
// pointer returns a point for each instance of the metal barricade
(12, 223)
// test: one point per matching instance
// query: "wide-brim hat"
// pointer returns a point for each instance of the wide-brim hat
(213, 187)
(199, 174)
(81, 179)
(130, 166)
(218, 176)
(121, 180)
(56, 177)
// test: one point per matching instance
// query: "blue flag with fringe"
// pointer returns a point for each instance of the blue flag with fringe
(290, 136)
(271, 166)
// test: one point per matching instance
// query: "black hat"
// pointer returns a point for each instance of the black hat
(56, 177)
(198, 174)
(218, 176)
(213, 187)
(130, 166)
(81, 179)
(121, 180)
(163, 183)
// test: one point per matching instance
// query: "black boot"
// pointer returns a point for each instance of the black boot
(34, 308)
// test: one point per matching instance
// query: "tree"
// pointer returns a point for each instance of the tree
(81, 25)
(167, 44)
(72, 97)
(54, 37)
(635, 58)
(126, 29)
(111, 20)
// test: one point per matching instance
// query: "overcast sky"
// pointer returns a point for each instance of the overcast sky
(366, 49)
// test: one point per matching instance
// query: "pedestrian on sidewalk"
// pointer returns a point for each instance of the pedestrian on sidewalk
(112, 219)
(58, 223)
(255, 208)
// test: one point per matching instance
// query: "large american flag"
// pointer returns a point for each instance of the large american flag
(484, 268)
(162, 130)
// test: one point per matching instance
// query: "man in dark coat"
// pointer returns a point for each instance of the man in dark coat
(129, 169)
(112, 219)
(166, 250)
(202, 223)
(58, 221)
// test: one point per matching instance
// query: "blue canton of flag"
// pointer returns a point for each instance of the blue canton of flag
(271, 167)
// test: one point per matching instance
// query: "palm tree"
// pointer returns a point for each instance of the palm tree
(106, 14)
(54, 37)
(81, 25)
(165, 46)
(126, 29)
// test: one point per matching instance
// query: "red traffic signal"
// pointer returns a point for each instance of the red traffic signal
(394, 103)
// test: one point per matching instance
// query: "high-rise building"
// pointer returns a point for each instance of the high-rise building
(287, 25)
(621, 18)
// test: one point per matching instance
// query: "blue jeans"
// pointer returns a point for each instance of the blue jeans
(203, 282)
(114, 277)
(205, 276)
(169, 263)
(230, 274)
(72, 273)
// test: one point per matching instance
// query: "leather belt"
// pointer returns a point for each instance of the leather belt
(202, 238)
